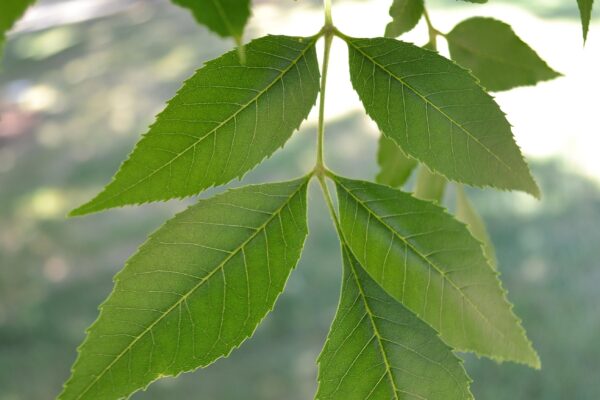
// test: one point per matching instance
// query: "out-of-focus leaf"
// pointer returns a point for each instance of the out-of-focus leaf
(466, 212)
(394, 166)
(496, 55)
(405, 16)
(10, 12)
(430, 186)
(224, 17)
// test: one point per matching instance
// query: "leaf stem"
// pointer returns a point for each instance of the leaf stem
(329, 202)
(327, 8)
(433, 32)
(320, 165)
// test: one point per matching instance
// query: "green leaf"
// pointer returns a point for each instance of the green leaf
(430, 186)
(496, 55)
(225, 120)
(436, 112)
(585, 10)
(194, 291)
(394, 166)
(466, 213)
(378, 349)
(405, 16)
(227, 18)
(10, 12)
(430, 262)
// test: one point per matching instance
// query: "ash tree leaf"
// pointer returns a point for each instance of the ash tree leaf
(496, 55)
(394, 166)
(194, 291)
(466, 212)
(224, 121)
(585, 10)
(405, 16)
(437, 113)
(227, 18)
(429, 262)
(429, 186)
(10, 12)
(378, 349)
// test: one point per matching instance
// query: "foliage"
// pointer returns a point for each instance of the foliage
(202, 283)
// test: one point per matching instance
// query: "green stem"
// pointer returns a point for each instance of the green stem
(330, 205)
(327, 7)
(320, 166)
(433, 33)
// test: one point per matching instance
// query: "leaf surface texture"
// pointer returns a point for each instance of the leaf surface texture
(427, 260)
(378, 349)
(194, 291)
(224, 121)
(437, 112)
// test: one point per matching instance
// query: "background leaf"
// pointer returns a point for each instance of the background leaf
(466, 212)
(10, 12)
(430, 262)
(436, 112)
(496, 55)
(429, 185)
(224, 17)
(405, 16)
(585, 10)
(225, 120)
(194, 291)
(378, 349)
(394, 166)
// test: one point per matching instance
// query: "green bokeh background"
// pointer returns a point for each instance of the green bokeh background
(96, 85)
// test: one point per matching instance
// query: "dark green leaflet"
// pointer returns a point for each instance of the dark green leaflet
(394, 166)
(10, 12)
(405, 16)
(496, 55)
(224, 17)
(585, 10)
(224, 121)
(436, 112)
(430, 262)
(194, 291)
(378, 349)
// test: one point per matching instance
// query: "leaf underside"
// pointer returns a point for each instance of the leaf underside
(405, 16)
(437, 112)
(224, 17)
(429, 262)
(378, 349)
(10, 12)
(194, 291)
(224, 121)
(496, 55)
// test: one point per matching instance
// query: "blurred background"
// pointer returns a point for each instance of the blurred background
(82, 79)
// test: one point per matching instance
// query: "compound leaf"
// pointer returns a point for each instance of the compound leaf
(10, 12)
(394, 166)
(378, 349)
(405, 16)
(225, 120)
(437, 112)
(466, 212)
(427, 260)
(585, 10)
(194, 291)
(227, 18)
(496, 55)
